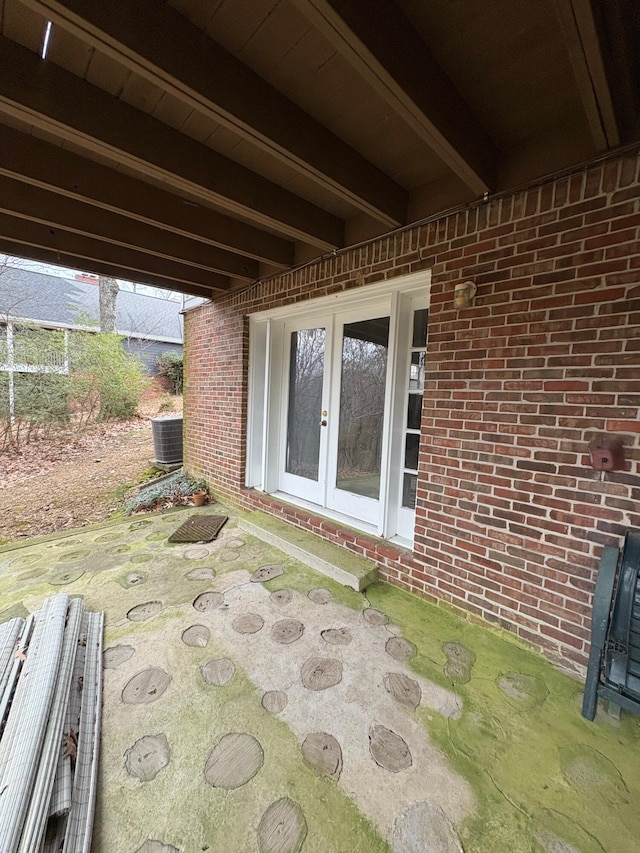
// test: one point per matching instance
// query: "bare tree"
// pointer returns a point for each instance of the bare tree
(108, 296)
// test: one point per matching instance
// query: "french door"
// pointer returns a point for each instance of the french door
(335, 383)
(335, 404)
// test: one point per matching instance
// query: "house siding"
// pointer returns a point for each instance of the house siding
(510, 518)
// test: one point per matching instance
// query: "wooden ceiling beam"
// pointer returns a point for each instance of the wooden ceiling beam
(384, 48)
(161, 45)
(40, 164)
(580, 32)
(134, 265)
(62, 259)
(44, 95)
(39, 205)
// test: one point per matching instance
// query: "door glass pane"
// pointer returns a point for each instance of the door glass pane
(306, 373)
(420, 327)
(414, 411)
(416, 376)
(411, 451)
(409, 486)
(362, 390)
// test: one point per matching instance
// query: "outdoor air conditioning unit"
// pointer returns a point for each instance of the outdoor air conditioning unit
(167, 439)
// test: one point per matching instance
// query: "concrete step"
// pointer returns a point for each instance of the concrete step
(324, 557)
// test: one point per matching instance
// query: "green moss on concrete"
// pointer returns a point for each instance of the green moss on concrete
(539, 770)
(536, 765)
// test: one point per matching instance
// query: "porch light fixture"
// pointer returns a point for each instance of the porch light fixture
(45, 43)
(463, 294)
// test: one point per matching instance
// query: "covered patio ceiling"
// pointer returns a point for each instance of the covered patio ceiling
(202, 144)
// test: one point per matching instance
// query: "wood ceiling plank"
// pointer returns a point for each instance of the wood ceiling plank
(23, 25)
(107, 74)
(40, 205)
(91, 265)
(166, 48)
(171, 111)
(53, 168)
(61, 103)
(387, 52)
(578, 25)
(141, 94)
(69, 52)
(41, 236)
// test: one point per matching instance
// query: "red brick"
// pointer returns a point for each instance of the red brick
(510, 519)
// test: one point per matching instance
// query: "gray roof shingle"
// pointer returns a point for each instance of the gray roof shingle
(63, 302)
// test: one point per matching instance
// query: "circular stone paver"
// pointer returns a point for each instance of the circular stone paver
(132, 579)
(424, 826)
(147, 757)
(399, 648)
(267, 573)
(196, 635)
(228, 556)
(146, 687)
(275, 701)
(460, 661)
(208, 601)
(144, 522)
(523, 691)
(31, 574)
(204, 574)
(150, 846)
(319, 595)
(281, 597)
(235, 543)
(116, 655)
(287, 631)
(233, 761)
(248, 623)
(321, 673)
(199, 552)
(404, 690)
(156, 537)
(591, 772)
(141, 612)
(337, 636)
(283, 828)
(65, 578)
(388, 749)
(108, 537)
(25, 560)
(119, 549)
(141, 558)
(322, 751)
(218, 672)
(73, 556)
(374, 617)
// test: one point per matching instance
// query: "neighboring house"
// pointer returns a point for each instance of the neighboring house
(148, 325)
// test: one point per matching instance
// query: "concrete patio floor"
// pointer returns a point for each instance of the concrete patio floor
(293, 713)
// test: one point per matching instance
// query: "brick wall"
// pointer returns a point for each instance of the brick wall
(511, 520)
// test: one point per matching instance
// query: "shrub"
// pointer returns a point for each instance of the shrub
(170, 491)
(107, 382)
(171, 366)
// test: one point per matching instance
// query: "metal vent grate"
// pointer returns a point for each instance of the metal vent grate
(199, 528)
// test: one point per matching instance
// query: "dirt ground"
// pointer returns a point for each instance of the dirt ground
(69, 481)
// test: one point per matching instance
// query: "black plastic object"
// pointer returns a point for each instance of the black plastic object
(614, 661)
(167, 439)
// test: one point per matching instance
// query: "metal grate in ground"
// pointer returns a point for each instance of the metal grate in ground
(199, 528)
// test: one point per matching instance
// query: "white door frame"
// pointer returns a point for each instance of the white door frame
(268, 393)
